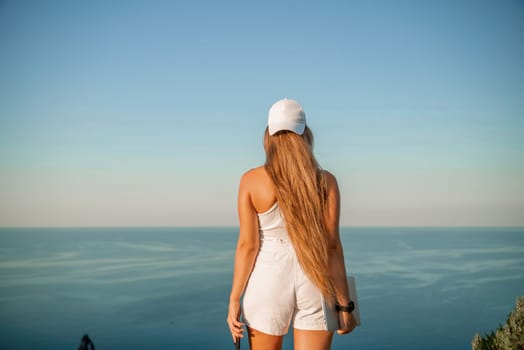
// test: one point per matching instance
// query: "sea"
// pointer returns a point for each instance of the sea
(168, 287)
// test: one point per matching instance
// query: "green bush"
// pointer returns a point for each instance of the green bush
(506, 337)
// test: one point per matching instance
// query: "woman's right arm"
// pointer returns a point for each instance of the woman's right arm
(246, 252)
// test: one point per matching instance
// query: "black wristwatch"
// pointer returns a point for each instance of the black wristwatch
(349, 308)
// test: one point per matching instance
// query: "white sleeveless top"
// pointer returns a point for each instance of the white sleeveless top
(272, 224)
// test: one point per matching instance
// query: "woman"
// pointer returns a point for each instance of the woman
(289, 262)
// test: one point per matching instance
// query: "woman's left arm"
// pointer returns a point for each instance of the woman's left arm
(337, 267)
(246, 252)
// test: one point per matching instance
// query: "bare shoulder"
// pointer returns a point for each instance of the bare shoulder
(252, 175)
(331, 180)
(257, 184)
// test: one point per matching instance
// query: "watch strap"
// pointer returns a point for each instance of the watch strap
(346, 308)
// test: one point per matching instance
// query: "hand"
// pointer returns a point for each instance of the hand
(235, 326)
(346, 322)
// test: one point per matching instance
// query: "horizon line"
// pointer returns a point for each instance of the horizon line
(236, 227)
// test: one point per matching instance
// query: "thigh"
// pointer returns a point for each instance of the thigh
(263, 341)
(312, 340)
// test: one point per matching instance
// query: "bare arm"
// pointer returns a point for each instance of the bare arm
(337, 267)
(247, 249)
(247, 246)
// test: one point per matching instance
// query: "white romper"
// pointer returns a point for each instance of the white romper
(278, 291)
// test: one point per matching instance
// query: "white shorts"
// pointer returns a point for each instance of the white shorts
(278, 292)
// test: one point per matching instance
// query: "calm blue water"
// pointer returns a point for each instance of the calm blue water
(158, 288)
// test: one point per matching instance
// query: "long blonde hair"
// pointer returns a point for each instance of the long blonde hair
(301, 194)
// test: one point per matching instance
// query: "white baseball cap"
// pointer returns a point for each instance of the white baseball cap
(286, 114)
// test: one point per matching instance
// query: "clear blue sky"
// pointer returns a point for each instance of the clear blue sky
(146, 113)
